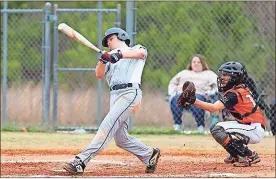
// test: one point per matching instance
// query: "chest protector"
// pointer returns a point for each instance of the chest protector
(246, 111)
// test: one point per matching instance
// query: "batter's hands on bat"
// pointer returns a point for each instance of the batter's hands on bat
(112, 58)
(105, 57)
(115, 57)
(187, 97)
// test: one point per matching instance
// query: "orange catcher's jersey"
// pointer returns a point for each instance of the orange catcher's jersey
(239, 101)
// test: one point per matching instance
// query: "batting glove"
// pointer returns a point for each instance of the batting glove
(115, 57)
(105, 57)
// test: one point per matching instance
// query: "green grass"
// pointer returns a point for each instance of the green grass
(10, 127)
(137, 130)
(37, 129)
(158, 131)
(149, 130)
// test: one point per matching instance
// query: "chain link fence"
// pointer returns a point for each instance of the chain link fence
(50, 77)
(79, 93)
(221, 31)
(25, 65)
(171, 31)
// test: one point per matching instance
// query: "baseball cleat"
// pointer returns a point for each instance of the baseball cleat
(254, 158)
(242, 162)
(230, 159)
(75, 168)
(153, 161)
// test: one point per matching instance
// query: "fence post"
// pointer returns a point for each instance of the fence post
(47, 62)
(55, 67)
(118, 16)
(129, 29)
(4, 65)
(130, 19)
(99, 82)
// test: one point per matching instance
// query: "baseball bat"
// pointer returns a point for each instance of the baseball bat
(70, 32)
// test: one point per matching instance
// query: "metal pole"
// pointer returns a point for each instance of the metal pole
(55, 66)
(4, 65)
(47, 54)
(43, 62)
(118, 16)
(99, 83)
(129, 30)
(135, 23)
(130, 19)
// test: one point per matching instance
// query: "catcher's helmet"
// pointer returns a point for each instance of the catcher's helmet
(121, 34)
(236, 72)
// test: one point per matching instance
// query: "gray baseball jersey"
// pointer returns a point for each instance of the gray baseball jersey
(125, 71)
(122, 104)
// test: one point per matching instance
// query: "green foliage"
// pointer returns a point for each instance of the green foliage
(13, 127)
(219, 31)
(24, 47)
(36, 129)
(171, 31)
(10, 127)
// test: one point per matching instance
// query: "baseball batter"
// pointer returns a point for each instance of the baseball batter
(249, 124)
(122, 67)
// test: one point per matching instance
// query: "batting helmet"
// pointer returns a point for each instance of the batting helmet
(235, 70)
(121, 34)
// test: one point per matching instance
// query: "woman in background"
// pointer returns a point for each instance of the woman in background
(205, 81)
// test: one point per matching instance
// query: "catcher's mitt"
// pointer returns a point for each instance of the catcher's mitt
(187, 97)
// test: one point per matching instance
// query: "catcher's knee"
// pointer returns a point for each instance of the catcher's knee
(219, 134)
(234, 143)
(236, 147)
(212, 125)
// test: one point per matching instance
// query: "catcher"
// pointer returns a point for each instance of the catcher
(249, 124)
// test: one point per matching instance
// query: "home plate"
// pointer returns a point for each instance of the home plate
(223, 175)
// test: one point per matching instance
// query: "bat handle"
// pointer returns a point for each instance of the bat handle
(100, 52)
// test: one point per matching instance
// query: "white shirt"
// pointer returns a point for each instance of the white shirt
(125, 70)
(205, 82)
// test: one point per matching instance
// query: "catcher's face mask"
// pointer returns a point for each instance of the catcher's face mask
(226, 81)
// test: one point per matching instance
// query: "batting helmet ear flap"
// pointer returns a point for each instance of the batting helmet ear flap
(124, 37)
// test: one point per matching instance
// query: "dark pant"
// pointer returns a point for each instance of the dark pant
(198, 113)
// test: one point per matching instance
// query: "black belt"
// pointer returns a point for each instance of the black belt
(122, 86)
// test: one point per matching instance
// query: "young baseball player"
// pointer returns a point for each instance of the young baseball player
(122, 67)
(251, 84)
(249, 124)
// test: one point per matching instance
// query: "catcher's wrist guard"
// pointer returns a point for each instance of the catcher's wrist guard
(187, 97)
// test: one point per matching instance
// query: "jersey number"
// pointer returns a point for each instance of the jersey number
(251, 99)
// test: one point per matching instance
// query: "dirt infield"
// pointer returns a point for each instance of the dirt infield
(181, 156)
